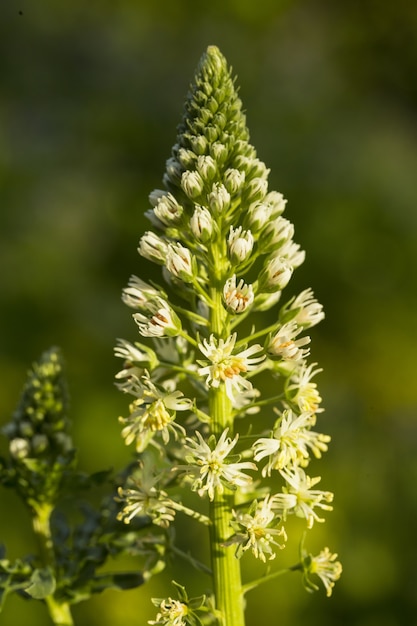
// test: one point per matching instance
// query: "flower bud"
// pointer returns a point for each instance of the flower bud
(233, 180)
(240, 244)
(180, 263)
(277, 232)
(201, 224)
(275, 275)
(219, 198)
(192, 184)
(237, 298)
(167, 209)
(206, 167)
(255, 190)
(153, 248)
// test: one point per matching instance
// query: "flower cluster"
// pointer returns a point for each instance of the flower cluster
(226, 251)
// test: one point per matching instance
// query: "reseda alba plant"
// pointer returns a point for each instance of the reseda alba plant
(226, 253)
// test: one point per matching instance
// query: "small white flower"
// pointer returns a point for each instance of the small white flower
(138, 293)
(292, 253)
(192, 184)
(325, 566)
(299, 498)
(171, 613)
(276, 201)
(226, 367)
(206, 167)
(160, 321)
(258, 215)
(167, 209)
(201, 224)
(233, 180)
(240, 244)
(307, 311)
(256, 189)
(219, 199)
(153, 248)
(153, 411)
(142, 496)
(300, 390)
(237, 298)
(284, 345)
(290, 443)
(258, 530)
(208, 466)
(179, 262)
(275, 275)
(276, 233)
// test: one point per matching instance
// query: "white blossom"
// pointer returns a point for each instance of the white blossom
(179, 262)
(325, 566)
(237, 297)
(160, 320)
(138, 293)
(284, 345)
(225, 367)
(153, 248)
(276, 274)
(240, 244)
(209, 467)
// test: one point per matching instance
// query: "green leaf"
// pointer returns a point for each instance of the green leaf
(42, 584)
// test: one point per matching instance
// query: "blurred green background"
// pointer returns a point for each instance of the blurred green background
(90, 96)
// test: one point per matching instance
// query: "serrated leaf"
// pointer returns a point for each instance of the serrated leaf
(42, 584)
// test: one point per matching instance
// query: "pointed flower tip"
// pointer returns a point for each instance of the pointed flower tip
(213, 60)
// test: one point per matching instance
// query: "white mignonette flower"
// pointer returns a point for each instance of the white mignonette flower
(152, 412)
(160, 321)
(290, 443)
(138, 293)
(275, 275)
(258, 530)
(233, 180)
(219, 199)
(192, 184)
(179, 262)
(206, 167)
(201, 224)
(256, 189)
(171, 613)
(292, 253)
(300, 390)
(153, 248)
(237, 297)
(208, 465)
(142, 496)
(167, 209)
(284, 345)
(325, 566)
(277, 232)
(299, 498)
(308, 312)
(226, 367)
(258, 215)
(240, 244)
(276, 201)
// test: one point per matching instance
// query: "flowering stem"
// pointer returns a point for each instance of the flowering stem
(60, 612)
(226, 567)
(265, 579)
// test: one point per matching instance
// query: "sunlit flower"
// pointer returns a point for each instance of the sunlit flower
(138, 293)
(153, 411)
(160, 320)
(208, 465)
(226, 367)
(299, 498)
(201, 224)
(293, 254)
(237, 297)
(240, 244)
(153, 248)
(284, 345)
(142, 496)
(301, 391)
(192, 184)
(304, 310)
(290, 443)
(167, 209)
(179, 262)
(276, 274)
(219, 198)
(171, 613)
(257, 529)
(325, 566)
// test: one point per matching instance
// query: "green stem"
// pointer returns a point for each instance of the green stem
(225, 566)
(59, 612)
(259, 581)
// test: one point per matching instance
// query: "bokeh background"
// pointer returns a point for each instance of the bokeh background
(90, 96)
